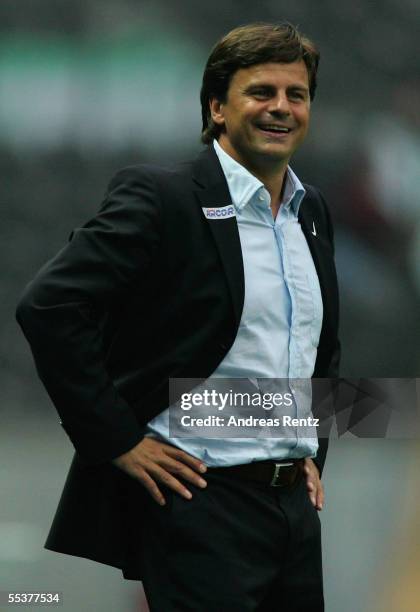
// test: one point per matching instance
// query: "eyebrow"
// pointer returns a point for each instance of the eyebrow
(270, 87)
(301, 88)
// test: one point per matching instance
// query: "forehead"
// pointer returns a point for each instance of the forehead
(273, 73)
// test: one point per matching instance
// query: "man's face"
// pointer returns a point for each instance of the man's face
(266, 113)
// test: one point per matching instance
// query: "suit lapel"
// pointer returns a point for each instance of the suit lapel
(213, 192)
(320, 249)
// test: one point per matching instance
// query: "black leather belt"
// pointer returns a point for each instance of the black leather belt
(271, 473)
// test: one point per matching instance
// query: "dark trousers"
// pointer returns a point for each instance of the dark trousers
(237, 546)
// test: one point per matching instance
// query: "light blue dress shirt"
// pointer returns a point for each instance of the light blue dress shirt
(281, 320)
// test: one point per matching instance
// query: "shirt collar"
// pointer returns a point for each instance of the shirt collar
(293, 193)
(243, 185)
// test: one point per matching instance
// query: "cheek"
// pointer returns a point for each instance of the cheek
(303, 118)
(304, 123)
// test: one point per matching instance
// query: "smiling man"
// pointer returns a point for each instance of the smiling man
(223, 267)
(264, 119)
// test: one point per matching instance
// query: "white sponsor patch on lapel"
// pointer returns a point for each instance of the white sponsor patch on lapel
(219, 212)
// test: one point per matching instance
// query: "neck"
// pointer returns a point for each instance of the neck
(271, 173)
(274, 183)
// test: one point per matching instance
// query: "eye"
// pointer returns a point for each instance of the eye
(260, 94)
(296, 95)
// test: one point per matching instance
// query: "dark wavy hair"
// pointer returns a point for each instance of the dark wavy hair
(256, 43)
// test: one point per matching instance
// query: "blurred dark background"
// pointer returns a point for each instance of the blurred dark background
(89, 87)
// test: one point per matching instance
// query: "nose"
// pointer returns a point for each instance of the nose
(280, 104)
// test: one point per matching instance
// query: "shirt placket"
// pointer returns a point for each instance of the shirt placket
(280, 228)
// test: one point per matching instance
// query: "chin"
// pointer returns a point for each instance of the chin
(276, 154)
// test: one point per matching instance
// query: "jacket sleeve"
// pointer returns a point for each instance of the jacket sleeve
(101, 266)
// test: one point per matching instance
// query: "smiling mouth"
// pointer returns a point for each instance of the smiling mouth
(276, 132)
(272, 128)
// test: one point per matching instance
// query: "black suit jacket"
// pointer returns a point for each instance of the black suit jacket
(147, 290)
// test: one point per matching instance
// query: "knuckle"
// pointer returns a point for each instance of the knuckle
(141, 474)
(178, 469)
(146, 483)
(167, 479)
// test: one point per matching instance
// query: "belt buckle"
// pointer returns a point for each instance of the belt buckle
(277, 468)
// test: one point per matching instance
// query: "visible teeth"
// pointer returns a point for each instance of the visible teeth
(275, 128)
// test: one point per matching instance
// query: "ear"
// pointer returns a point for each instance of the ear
(216, 111)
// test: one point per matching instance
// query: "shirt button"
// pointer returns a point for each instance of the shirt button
(261, 198)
